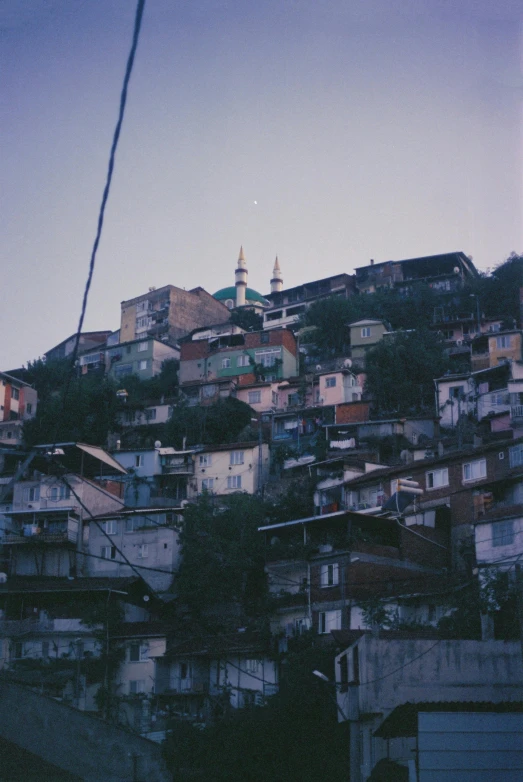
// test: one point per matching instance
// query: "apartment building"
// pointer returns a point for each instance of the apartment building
(18, 403)
(141, 357)
(229, 468)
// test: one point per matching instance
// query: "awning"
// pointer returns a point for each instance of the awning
(88, 461)
(403, 720)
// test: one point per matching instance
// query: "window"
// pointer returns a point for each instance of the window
(142, 365)
(136, 686)
(503, 342)
(253, 666)
(473, 471)
(110, 527)
(516, 455)
(265, 339)
(268, 357)
(456, 392)
(437, 478)
(208, 484)
(57, 493)
(502, 533)
(138, 652)
(142, 346)
(242, 361)
(293, 399)
(32, 494)
(205, 460)
(15, 393)
(329, 620)
(143, 551)
(29, 408)
(236, 457)
(138, 460)
(133, 523)
(17, 650)
(365, 332)
(234, 482)
(150, 414)
(254, 397)
(108, 552)
(330, 382)
(329, 575)
(45, 650)
(226, 363)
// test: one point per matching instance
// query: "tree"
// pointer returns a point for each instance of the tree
(222, 557)
(295, 736)
(70, 407)
(213, 424)
(400, 372)
(247, 319)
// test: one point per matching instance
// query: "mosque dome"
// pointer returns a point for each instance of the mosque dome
(228, 297)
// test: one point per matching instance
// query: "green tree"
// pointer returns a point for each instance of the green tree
(296, 736)
(213, 424)
(247, 319)
(401, 371)
(70, 407)
(222, 557)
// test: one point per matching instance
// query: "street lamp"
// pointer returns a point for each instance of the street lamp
(354, 751)
(326, 679)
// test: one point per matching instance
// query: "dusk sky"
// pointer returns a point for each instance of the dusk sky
(327, 132)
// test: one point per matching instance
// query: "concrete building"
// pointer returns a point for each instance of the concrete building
(158, 477)
(489, 350)
(364, 335)
(233, 670)
(478, 394)
(141, 357)
(169, 313)
(18, 403)
(261, 355)
(443, 273)
(89, 341)
(135, 540)
(233, 467)
(288, 305)
(379, 679)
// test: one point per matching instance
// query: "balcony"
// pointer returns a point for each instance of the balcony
(17, 627)
(178, 468)
(191, 685)
(42, 528)
(516, 411)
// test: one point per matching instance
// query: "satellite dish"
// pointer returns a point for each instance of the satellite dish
(318, 367)
(347, 363)
(157, 444)
(3, 578)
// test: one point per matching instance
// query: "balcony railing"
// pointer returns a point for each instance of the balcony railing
(59, 531)
(189, 685)
(178, 469)
(516, 411)
(17, 627)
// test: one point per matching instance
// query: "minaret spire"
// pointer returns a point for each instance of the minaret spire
(241, 279)
(277, 279)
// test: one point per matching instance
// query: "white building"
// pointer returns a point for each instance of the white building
(225, 469)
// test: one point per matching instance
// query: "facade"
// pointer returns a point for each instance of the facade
(364, 335)
(235, 467)
(443, 273)
(380, 678)
(169, 313)
(262, 397)
(287, 306)
(142, 357)
(48, 524)
(273, 355)
(338, 387)
(150, 414)
(323, 569)
(202, 676)
(158, 477)
(478, 394)
(490, 350)
(89, 341)
(136, 540)
(18, 403)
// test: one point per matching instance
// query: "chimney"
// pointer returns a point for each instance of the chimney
(372, 261)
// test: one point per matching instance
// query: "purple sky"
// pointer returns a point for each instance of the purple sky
(327, 133)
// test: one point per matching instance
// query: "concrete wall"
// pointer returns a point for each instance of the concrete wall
(220, 469)
(95, 750)
(142, 671)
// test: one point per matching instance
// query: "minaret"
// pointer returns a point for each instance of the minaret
(277, 279)
(241, 279)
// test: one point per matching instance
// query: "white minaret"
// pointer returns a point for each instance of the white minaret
(241, 279)
(277, 279)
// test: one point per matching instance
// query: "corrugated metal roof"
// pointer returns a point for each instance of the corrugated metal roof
(403, 720)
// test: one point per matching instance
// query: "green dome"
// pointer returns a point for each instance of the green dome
(250, 295)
